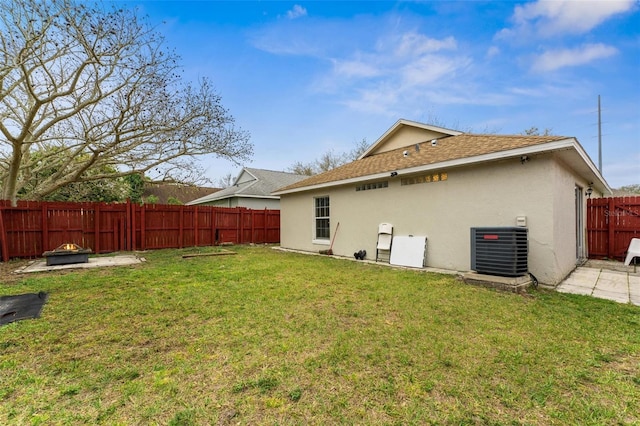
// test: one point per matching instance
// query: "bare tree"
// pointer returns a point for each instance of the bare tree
(300, 168)
(226, 181)
(97, 88)
(329, 160)
(534, 131)
(630, 189)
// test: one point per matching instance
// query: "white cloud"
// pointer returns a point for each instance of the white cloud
(545, 18)
(429, 69)
(555, 59)
(408, 59)
(399, 68)
(386, 73)
(356, 68)
(414, 44)
(493, 51)
(297, 12)
(379, 100)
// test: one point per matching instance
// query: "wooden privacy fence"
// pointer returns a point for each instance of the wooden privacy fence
(32, 228)
(611, 224)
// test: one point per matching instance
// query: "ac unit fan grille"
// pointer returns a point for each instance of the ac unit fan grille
(500, 251)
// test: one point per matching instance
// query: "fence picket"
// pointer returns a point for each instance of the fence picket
(611, 224)
(31, 228)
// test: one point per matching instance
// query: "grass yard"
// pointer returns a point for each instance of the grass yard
(267, 337)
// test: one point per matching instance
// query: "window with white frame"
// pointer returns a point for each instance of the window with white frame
(322, 218)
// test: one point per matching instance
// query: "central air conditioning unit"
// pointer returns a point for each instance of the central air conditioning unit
(500, 251)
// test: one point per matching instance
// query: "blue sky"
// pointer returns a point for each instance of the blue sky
(304, 78)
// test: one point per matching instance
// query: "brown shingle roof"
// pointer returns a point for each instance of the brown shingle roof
(447, 149)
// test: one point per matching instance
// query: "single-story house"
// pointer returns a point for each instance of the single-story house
(251, 189)
(439, 183)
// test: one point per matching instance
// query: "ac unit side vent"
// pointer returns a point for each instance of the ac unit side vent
(500, 251)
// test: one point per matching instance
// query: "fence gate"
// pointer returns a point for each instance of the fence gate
(611, 224)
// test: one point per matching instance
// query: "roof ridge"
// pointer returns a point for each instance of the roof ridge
(514, 135)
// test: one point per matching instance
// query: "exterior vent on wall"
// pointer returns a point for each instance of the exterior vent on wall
(500, 251)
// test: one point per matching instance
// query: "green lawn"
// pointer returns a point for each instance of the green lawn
(267, 337)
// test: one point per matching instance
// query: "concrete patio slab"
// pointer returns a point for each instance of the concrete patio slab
(598, 280)
(634, 289)
(583, 277)
(613, 280)
(573, 289)
(40, 265)
(609, 295)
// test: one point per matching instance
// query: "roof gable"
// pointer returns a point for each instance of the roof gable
(406, 133)
(243, 177)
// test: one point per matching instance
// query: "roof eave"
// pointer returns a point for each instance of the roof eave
(568, 143)
(271, 197)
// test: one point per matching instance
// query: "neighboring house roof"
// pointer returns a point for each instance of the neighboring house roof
(450, 151)
(183, 193)
(253, 183)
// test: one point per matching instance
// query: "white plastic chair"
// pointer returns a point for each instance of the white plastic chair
(633, 251)
(385, 237)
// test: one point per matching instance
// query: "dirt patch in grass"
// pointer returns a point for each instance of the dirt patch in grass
(7, 270)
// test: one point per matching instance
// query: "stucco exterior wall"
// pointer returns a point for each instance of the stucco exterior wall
(493, 194)
(259, 203)
(565, 220)
(250, 203)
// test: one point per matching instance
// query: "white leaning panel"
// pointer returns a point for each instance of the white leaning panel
(408, 251)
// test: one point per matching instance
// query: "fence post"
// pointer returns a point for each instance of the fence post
(611, 228)
(96, 227)
(181, 228)
(127, 225)
(3, 236)
(133, 226)
(242, 215)
(265, 212)
(143, 226)
(196, 240)
(45, 227)
(253, 227)
(214, 225)
(239, 226)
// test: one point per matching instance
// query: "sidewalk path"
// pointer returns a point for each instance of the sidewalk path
(623, 287)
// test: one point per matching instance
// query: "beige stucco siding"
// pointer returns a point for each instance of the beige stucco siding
(492, 194)
(564, 227)
(406, 136)
(259, 203)
(250, 203)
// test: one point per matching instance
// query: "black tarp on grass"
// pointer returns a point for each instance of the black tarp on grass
(22, 306)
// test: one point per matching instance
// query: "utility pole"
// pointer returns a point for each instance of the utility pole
(599, 138)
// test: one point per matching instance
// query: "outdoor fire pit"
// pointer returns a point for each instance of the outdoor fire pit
(67, 254)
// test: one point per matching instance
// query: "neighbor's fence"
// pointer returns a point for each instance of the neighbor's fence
(611, 224)
(32, 228)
